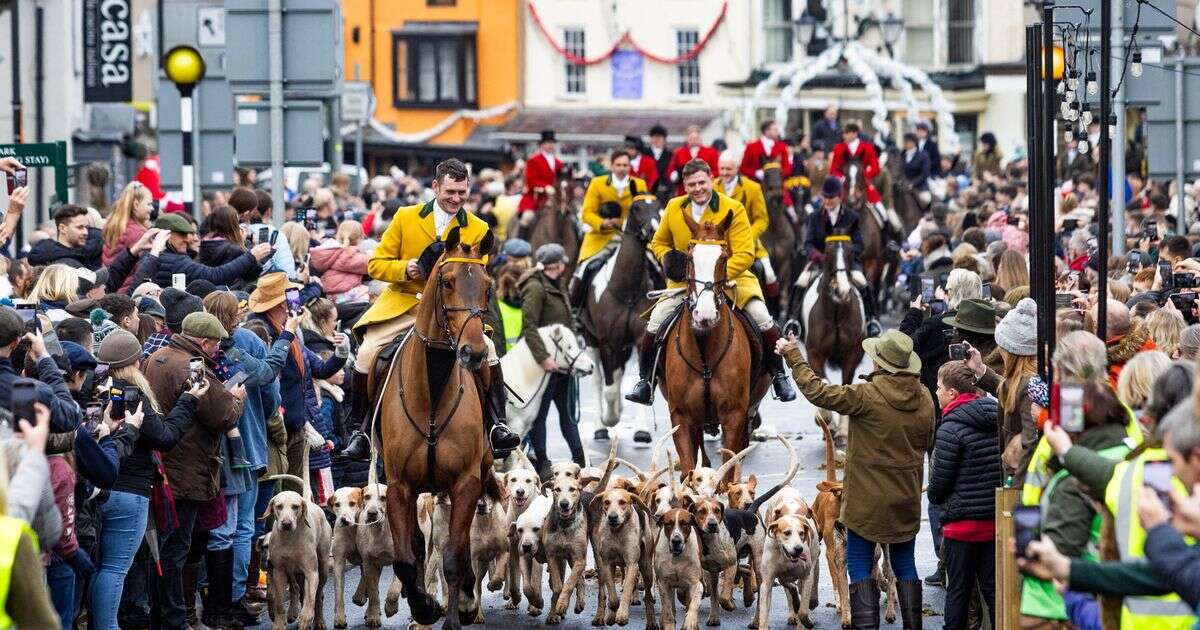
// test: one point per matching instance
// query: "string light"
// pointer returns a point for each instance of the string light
(1086, 117)
(1092, 86)
(1073, 80)
(1136, 68)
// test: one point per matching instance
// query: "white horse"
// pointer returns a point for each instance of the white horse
(527, 380)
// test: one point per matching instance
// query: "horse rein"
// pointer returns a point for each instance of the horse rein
(709, 286)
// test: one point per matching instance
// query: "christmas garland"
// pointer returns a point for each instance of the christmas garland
(627, 40)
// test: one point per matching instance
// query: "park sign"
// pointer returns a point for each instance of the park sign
(43, 155)
(107, 51)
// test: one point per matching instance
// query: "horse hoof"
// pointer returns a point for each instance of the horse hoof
(425, 610)
(553, 620)
(359, 600)
(601, 435)
(642, 437)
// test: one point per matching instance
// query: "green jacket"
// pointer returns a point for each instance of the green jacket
(1120, 579)
(542, 303)
(890, 429)
(1068, 519)
(1093, 470)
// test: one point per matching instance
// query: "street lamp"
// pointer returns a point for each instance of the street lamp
(185, 68)
(892, 27)
(806, 29)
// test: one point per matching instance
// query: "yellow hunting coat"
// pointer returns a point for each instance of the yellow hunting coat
(600, 191)
(749, 193)
(410, 232)
(673, 233)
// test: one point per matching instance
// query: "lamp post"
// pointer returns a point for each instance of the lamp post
(185, 68)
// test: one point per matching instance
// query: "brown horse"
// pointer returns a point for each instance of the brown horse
(877, 262)
(780, 237)
(708, 362)
(610, 315)
(433, 439)
(554, 222)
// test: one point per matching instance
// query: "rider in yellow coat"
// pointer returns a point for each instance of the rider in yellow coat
(605, 207)
(673, 239)
(403, 259)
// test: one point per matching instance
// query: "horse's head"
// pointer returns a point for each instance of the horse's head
(567, 351)
(838, 266)
(772, 182)
(459, 287)
(642, 220)
(707, 254)
(855, 184)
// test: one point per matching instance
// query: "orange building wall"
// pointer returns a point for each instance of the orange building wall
(497, 48)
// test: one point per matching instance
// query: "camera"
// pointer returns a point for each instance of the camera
(1185, 303)
(958, 351)
(195, 371)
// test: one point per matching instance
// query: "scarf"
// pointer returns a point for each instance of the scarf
(959, 401)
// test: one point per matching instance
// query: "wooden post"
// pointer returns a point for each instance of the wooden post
(1008, 580)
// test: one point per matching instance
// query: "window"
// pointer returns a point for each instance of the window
(777, 22)
(689, 71)
(918, 32)
(961, 32)
(434, 71)
(575, 75)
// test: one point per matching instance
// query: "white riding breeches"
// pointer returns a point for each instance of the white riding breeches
(755, 309)
(768, 270)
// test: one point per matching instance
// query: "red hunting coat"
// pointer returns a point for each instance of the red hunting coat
(646, 170)
(538, 174)
(866, 156)
(755, 156)
(683, 155)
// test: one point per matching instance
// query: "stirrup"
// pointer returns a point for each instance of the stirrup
(504, 443)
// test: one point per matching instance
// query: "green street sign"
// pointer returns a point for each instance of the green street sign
(43, 155)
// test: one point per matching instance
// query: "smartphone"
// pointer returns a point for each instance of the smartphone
(1158, 475)
(132, 397)
(987, 291)
(1184, 301)
(116, 398)
(91, 416)
(293, 300)
(24, 394)
(1070, 407)
(27, 313)
(235, 380)
(33, 325)
(264, 234)
(927, 285)
(958, 351)
(100, 377)
(938, 307)
(17, 179)
(1014, 219)
(1070, 225)
(1135, 262)
(1164, 274)
(1152, 230)
(1028, 521)
(301, 215)
(195, 371)
(1073, 279)
(1063, 300)
(179, 281)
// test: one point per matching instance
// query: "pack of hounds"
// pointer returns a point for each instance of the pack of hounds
(654, 537)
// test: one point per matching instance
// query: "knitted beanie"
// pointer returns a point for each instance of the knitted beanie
(1017, 332)
(179, 305)
(119, 349)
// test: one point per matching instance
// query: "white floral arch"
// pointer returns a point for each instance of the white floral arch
(868, 65)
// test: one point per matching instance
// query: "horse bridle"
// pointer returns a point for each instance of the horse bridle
(710, 286)
(442, 312)
(573, 359)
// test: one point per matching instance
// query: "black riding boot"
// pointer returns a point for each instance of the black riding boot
(779, 377)
(576, 290)
(911, 606)
(503, 440)
(869, 307)
(772, 295)
(864, 605)
(358, 446)
(643, 391)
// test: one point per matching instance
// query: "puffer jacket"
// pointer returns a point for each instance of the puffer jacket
(171, 262)
(340, 268)
(966, 462)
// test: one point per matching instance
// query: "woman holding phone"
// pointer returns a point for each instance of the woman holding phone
(124, 514)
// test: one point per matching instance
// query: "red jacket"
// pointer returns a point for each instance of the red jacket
(683, 155)
(755, 156)
(866, 156)
(538, 174)
(646, 170)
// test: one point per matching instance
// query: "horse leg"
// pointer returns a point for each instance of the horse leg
(402, 517)
(456, 561)
(734, 436)
(685, 443)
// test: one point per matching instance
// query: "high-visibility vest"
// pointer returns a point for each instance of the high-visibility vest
(1037, 474)
(10, 536)
(511, 321)
(1039, 598)
(1166, 612)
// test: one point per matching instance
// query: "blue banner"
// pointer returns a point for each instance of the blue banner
(627, 74)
